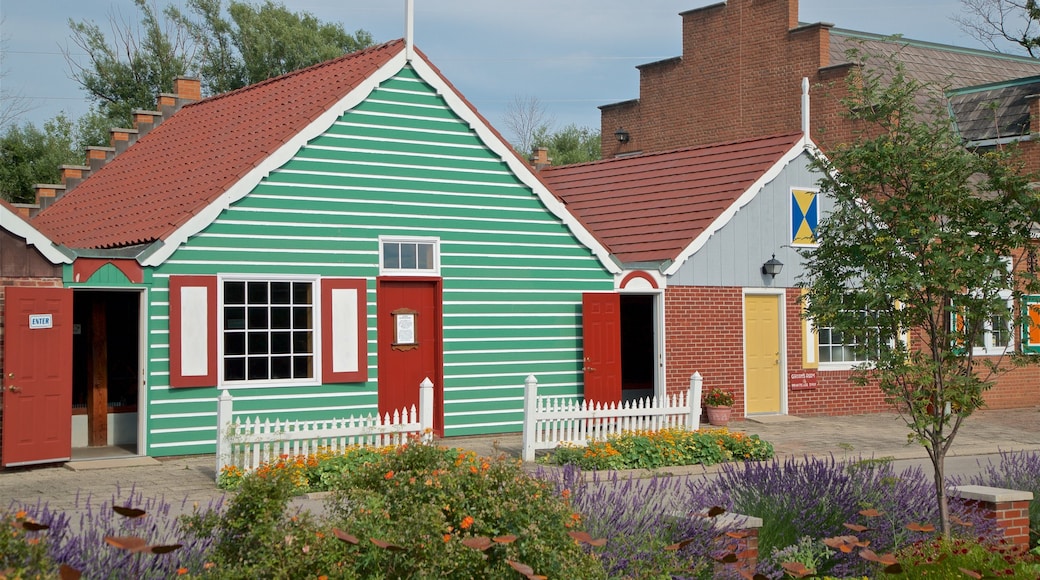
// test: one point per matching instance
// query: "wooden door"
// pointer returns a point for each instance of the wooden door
(762, 353)
(601, 336)
(410, 344)
(37, 382)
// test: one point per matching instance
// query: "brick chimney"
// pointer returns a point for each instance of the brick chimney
(540, 160)
(121, 139)
(145, 121)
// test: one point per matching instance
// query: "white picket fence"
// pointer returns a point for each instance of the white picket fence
(247, 444)
(550, 421)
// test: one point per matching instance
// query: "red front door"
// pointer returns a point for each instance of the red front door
(601, 335)
(410, 347)
(37, 382)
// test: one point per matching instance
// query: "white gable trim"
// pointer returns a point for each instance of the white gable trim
(32, 236)
(804, 145)
(281, 156)
(523, 171)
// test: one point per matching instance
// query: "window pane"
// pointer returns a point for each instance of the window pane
(234, 369)
(391, 255)
(302, 342)
(301, 317)
(257, 317)
(258, 343)
(281, 367)
(257, 292)
(281, 343)
(257, 368)
(303, 366)
(234, 343)
(234, 292)
(280, 292)
(281, 317)
(234, 318)
(425, 256)
(408, 256)
(302, 293)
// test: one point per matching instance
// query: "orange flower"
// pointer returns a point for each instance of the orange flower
(182, 571)
(208, 565)
(566, 493)
(389, 475)
(20, 515)
(466, 522)
(447, 538)
(472, 468)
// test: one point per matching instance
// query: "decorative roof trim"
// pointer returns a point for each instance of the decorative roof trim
(12, 222)
(242, 187)
(522, 170)
(804, 145)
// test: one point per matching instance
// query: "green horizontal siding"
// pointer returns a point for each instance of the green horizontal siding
(400, 164)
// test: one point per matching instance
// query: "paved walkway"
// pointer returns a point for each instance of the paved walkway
(192, 478)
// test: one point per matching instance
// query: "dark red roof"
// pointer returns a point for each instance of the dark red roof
(185, 163)
(648, 208)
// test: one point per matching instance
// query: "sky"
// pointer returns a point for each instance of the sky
(571, 55)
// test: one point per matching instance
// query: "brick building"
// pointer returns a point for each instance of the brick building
(741, 67)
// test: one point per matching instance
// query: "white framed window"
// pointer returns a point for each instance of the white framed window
(839, 351)
(995, 338)
(406, 256)
(268, 330)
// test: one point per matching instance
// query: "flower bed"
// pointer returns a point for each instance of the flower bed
(664, 448)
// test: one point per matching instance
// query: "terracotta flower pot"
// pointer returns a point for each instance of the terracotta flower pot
(718, 415)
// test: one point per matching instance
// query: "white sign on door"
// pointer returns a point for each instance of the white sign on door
(41, 321)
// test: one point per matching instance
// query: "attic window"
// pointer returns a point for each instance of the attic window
(409, 256)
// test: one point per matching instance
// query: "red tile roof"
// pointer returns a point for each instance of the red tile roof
(177, 169)
(648, 208)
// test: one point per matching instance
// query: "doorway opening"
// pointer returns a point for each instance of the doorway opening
(106, 369)
(638, 346)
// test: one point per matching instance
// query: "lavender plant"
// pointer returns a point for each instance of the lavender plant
(79, 541)
(816, 496)
(1019, 471)
(640, 518)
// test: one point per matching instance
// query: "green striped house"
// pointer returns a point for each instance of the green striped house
(317, 245)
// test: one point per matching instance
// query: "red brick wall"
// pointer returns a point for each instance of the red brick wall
(705, 334)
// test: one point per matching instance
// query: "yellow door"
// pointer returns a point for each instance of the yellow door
(762, 353)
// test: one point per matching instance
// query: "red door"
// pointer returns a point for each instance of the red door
(37, 382)
(410, 347)
(601, 335)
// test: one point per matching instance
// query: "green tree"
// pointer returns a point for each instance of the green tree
(259, 41)
(127, 71)
(29, 156)
(918, 242)
(572, 144)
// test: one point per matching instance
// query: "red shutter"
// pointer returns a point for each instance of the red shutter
(344, 330)
(193, 331)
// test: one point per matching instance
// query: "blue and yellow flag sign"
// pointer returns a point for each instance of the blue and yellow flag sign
(805, 216)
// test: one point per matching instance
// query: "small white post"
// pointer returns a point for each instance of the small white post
(426, 409)
(223, 430)
(693, 422)
(409, 30)
(530, 398)
(805, 107)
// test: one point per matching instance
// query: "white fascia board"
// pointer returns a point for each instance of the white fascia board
(802, 146)
(280, 157)
(32, 236)
(523, 171)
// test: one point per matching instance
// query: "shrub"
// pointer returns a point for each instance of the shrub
(87, 551)
(1019, 471)
(640, 518)
(663, 448)
(415, 510)
(939, 558)
(255, 536)
(314, 472)
(816, 497)
(24, 547)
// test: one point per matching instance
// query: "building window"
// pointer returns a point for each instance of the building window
(995, 336)
(409, 256)
(268, 331)
(835, 347)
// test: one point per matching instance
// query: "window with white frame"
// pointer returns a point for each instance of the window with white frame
(995, 336)
(835, 347)
(268, 331)
(409, 256)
